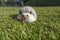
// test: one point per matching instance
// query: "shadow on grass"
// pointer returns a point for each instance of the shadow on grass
(14, 17)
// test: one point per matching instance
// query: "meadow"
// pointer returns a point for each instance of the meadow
(47, 26)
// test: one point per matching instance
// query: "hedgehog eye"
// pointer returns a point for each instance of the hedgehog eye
(20, 12)
(27, 15)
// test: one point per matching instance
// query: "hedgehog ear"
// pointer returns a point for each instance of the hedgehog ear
(20, 12)
(30, 12)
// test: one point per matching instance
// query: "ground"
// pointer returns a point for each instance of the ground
(47, 26)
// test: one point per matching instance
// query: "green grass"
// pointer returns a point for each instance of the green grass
(47, 26)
